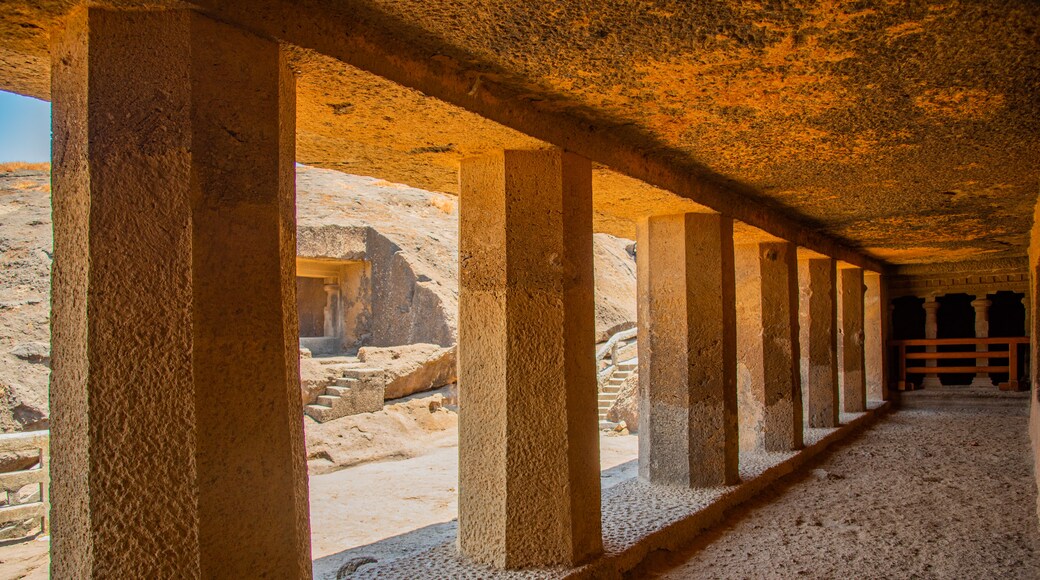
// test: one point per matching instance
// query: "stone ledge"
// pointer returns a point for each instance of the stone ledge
(639, 518)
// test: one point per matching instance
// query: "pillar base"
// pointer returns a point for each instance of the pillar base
(983, 382)
(931, 382)
(1011, 386)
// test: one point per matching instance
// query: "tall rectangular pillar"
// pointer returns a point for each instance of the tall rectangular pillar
(769, 373)
(529, 490)
(818, 340)
(177, 433)
(687, 350)
(851, 375)
(875, 333)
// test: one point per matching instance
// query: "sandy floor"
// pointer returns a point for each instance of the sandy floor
(363, 504)
(943, 493)
(924, 494)
(366, 503)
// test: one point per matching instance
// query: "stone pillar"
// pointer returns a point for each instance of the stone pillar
(687, 350)
(768, 362)
(981, 305)
(818, 341)
(529, 490)
(177, 433)
(1026, 323)
(931, 330)
(875, 325)
(333, 316)
(850, 325)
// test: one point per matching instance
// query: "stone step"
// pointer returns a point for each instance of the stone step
(610, 390)
(336, 391)
(627, 366)
(319, 413)
(345, 382)
(327, 401)
(361, 372)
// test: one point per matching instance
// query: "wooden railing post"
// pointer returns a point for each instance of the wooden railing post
(903, 386)
(1012, 382)
(982, 358)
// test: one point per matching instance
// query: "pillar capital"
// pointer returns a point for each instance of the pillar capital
(981, 304)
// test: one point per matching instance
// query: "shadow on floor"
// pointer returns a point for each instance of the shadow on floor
(344, 564)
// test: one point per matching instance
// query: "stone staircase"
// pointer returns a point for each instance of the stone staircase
(609, 392)
(359, 390)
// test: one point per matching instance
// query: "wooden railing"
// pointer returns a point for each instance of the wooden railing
(12, 481)
(1011, 355)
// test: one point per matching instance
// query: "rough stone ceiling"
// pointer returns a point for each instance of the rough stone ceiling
(907, 130)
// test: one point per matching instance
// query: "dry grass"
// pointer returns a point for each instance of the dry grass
(13, 166)
(442, 203)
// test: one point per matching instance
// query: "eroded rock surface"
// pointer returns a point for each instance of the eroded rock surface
(626, 407)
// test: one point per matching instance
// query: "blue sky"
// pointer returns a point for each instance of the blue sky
(25, 129)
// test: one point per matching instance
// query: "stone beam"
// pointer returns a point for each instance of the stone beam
(687, 351)
(818, 341)
(177, 432)
(369, 39)
(529, 490)
(769, 374)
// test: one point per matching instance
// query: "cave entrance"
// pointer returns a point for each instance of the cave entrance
(332, 300)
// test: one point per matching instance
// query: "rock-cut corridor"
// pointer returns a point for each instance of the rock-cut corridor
(940, 491)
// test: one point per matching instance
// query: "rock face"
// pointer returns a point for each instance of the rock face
(402, 429)
(25, 263)
(615, 267)
(411, 368)
(626, 407)
(410, 237)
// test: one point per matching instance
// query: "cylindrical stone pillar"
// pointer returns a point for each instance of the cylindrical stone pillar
(981, 305)
(818, 341)
(177, 432)
(529, 489)
(769, 366)
(687, 350)
(850, 317)
(931, 330)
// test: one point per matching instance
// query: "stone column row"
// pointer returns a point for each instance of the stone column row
(177, 426)
(719, 361)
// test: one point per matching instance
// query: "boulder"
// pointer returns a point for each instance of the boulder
(411, 368)
(626, 407)
(34, 352)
